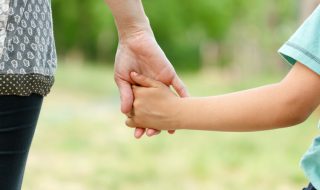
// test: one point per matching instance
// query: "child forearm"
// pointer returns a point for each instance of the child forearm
(284, 104)
(129, 17)
(262, 108)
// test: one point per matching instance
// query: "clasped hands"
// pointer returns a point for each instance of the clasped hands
(141, 53)
(155, 106)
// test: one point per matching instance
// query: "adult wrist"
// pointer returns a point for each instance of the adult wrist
(129, 16)
(131, 29)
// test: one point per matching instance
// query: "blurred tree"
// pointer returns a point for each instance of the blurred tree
(190, 31)
(85, 27)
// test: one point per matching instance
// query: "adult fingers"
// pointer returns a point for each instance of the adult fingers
(126, 95)
(139, 132)
(152, 132)
(130, 123)
(179, 87)
(143, 80)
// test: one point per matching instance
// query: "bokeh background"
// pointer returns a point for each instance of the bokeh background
(217, 47)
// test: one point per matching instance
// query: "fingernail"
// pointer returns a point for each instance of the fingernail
(137, 136)
(149, 133)
(134, 73)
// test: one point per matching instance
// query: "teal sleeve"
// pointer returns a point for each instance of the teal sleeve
(310, 163)
(304, 45)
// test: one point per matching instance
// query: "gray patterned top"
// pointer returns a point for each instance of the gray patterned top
(27, 49)
(4, 12)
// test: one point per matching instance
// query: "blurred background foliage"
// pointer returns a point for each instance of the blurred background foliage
(192, 33)
(217, 46)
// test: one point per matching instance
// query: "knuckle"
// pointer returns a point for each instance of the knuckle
(130, 124)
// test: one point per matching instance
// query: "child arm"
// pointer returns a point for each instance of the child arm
(282, 104)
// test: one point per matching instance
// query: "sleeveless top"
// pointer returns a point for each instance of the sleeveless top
(27, 48)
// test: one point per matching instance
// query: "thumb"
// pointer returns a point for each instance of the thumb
(179, 87)
(144, 81)
(126, 96)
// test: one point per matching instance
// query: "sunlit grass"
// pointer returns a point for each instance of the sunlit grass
(81, 143)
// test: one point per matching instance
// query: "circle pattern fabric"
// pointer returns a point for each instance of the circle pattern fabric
(27, 42)
(25, 85)
(4, 12)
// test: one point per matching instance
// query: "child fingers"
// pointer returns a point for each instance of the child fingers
(143, 80)
(130, 114)
(139, 91)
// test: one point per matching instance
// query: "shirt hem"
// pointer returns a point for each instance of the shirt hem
(292, 53)
(25, 84)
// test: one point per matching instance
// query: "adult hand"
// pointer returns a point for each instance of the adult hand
(139, 52)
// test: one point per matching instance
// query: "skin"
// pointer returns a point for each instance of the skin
(283, 104)
(138, 51)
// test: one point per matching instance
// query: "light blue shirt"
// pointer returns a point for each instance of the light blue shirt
(304, 47)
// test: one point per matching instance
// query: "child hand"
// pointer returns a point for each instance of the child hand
(155, 105)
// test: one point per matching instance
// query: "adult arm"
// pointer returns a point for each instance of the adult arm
(138, 51)
(129, 16)
(283, 104)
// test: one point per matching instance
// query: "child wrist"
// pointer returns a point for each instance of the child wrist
(180, 119)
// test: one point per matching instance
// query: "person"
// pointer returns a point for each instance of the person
(282, 104)
(28, 63)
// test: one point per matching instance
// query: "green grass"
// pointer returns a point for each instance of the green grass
(81, 143)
